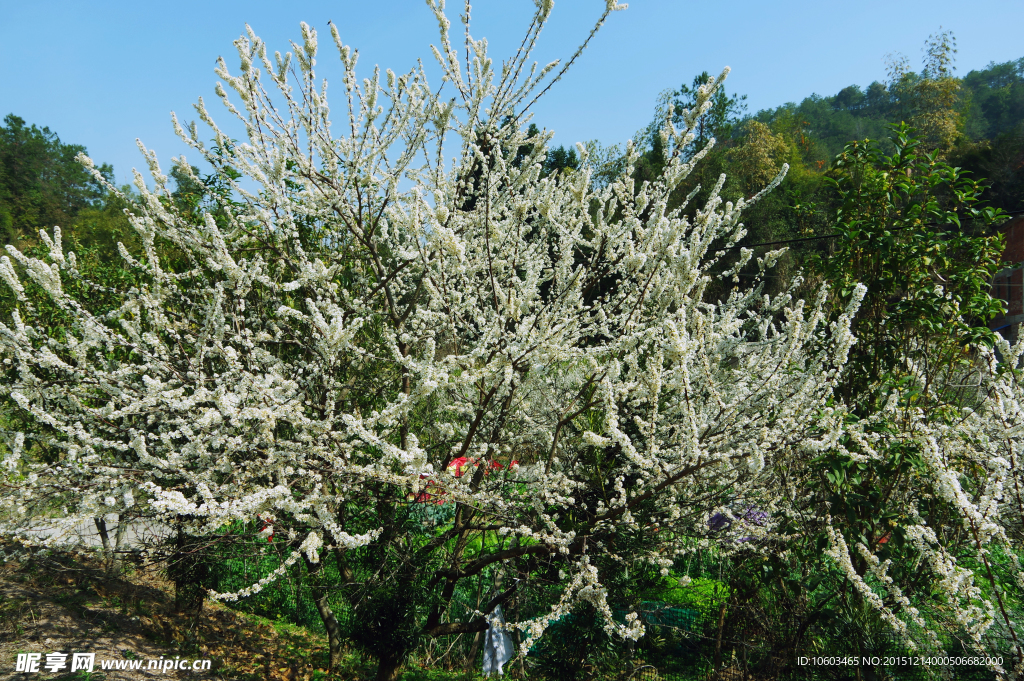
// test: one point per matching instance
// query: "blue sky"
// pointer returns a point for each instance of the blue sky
(103, 73)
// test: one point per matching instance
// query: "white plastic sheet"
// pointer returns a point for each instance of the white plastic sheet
(498, 646)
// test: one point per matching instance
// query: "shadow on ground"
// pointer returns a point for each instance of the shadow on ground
(69, 603)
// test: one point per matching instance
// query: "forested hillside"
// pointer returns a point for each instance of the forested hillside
(974, 123)
(988, 104)
(43, 185)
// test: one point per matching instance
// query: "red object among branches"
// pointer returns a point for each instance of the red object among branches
(264, 524)
(459, 464)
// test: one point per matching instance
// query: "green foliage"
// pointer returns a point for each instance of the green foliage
(721, 118)
(578, 648)
(560, 159)
(988, 102)
(908, 221)
(41, 183)
(913, 229)
(1001, 162)
(702, 594)
(996, 97)
(826, 124)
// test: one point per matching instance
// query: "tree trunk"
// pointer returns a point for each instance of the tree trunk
(474, 650)
(718, 639)
(323, 608)
(190, 571)
(387, 668)
(101, 527)
(119, 534)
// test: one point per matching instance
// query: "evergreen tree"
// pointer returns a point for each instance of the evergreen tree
(41, 183)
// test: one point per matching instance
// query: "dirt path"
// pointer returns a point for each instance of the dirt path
(69, 604)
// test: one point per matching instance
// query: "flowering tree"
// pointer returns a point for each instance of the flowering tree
(316, 353)
(920, 513)
(920, 377)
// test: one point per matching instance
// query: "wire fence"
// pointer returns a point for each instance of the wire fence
(289, 598)
(684, 642)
